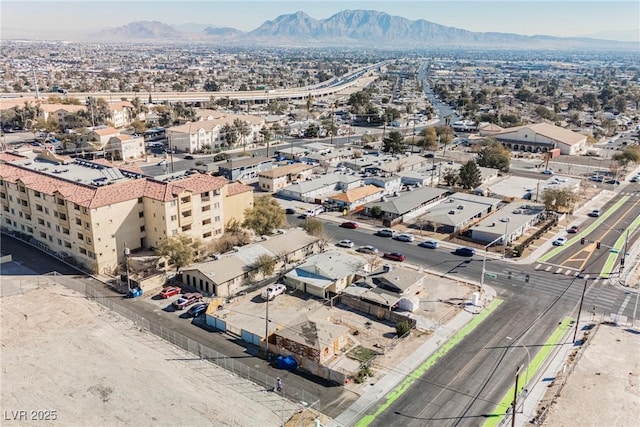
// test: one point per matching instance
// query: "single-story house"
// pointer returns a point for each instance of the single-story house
(327, 273)
(234, 271)
(390, 184)
(396, 165)
(245, 169)
(356, 198)
(409, 204)
(459, 210)
(315, 190)
(511, 222)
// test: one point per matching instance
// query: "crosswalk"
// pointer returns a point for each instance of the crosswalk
(629, 193)
(600, 297)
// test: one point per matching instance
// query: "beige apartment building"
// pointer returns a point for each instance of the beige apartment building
(278, 178)
(90, 211)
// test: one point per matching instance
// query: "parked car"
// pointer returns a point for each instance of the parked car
(560, 241)
(596, 178)
(188, 157)
(613, 181)
(429, 244)
(170, 291)
(349, 224)
(573, 229)
(289, 211)
(403, 237)
(345, 244)
(272, 291)
(198, 309)
(595, 213)
(367, 250)
(186, 300)
(385, 232)
(395, 256)
(635, 178)
(465, 251)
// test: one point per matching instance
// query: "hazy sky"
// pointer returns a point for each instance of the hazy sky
(556, 18)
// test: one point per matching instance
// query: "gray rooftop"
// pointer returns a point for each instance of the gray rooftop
(509, 218)
(458, 208)
(410, 200)
(322, 181)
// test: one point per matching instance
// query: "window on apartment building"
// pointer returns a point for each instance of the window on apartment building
(216, 205)
(186, 214)
(80, 236)
(206, 235)
(22, 189)
(174, 217)
(37, 194)
(185, 199)
(67, 244)
(27, 217)
(58, 228)
(83, 251)
(60, 202)
(218, 232)
(48, 224)
(46, 210)
(20, 214)
(206, 208)
(30, 230)
(78, 221)
(13, 212)
(85, 210)
(172, 203)
(3, 195)
(10, 198)
(217, 218)
(186, 228)
(141, 214)
(76, 207)
(89, 241)
(50, 237)
(65, 230)
(55, 214)
(142, 229)
(63, 217)
(59, 242)
(40, 221)
(39, 208)
(7, 220)
(5, 208)
(43, 235)
(139, 199)
(24, 202)
(87, 225)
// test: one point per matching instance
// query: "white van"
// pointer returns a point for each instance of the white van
(314, 211)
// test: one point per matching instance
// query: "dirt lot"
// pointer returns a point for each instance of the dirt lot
(604, 388)
(63, 353)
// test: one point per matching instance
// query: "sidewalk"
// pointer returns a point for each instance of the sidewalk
(373, 393)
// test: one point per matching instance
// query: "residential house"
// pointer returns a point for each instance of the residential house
(279, 177)
(97, 138)
(356, 198)
(61, 113)
(245, 169)
(125, 147)
(458, 211)
(510, 222)
(399, 164)
(391, 185)
(316, 190)
(122, 114)
(408, 204)
(233, 272)
(327, 273)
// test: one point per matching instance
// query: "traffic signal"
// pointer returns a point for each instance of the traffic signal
(597, 245)
(582, 241)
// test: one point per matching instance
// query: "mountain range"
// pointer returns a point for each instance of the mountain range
(352, 28)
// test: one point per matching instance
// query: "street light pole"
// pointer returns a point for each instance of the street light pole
(575, 332)
(507, 220)
(266, 329)
(515, 399)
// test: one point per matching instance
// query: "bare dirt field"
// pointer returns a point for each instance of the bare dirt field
(63, 353)
(604, 388)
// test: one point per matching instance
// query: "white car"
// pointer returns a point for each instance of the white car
(272, 291)
(403, 237)
(345, 244)
(560, 241)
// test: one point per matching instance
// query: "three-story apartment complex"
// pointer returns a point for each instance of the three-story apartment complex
(91, 211)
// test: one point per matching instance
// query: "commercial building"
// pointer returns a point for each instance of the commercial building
(458, 211)
(510, 222)
(245, 169)
(540, 138)
(89, 211)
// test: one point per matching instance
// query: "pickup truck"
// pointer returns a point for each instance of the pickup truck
(186, 300)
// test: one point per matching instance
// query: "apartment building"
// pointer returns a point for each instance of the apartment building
(125, 147)
(278, 178)
(90, 211)
(121, 113)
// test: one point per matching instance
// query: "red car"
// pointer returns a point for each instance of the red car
(170, 291)
(395, 256)
(186, 300)
(573, 229)
(349, 224)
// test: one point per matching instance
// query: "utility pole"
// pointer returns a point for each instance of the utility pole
(515, 399)
(126, 265)
(413, 138)
(575, 332)
(332, 124)
(266, 330)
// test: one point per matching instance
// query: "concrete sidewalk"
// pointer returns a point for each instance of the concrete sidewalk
(372, 394)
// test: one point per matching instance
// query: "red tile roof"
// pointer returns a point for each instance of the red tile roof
(236, 188)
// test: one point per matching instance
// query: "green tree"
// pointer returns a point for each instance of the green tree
(631, 154)
(138, 126)
(265, 264)
(314, 227)
(243, 129)
(181, 250)
(450, 176)
(230, 134)
(469, 175)
(376, 211)
(494, 155)
(394, 143)
(211, 86)
(265, 215)
(429, 139)
(559, 200)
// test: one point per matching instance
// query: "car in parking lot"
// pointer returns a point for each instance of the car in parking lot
(198, 309)
(613, 181)
(635, 178)
(349, 224)
(573, 229)
(289, 211)
(404, 237)
(186, 300)
(169, 291)
(345, 244)
(395, 256)
(272, 291)
(367, 250)
(465, 251)
(595, 213)
(560, 241)
(429, 244)
(596, 178)
(385, 232)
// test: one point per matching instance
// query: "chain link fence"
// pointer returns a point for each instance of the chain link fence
(202, 351)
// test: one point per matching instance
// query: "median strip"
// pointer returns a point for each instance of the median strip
(394, 394)
(501, 409)
(586, 231)
(611, 259)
